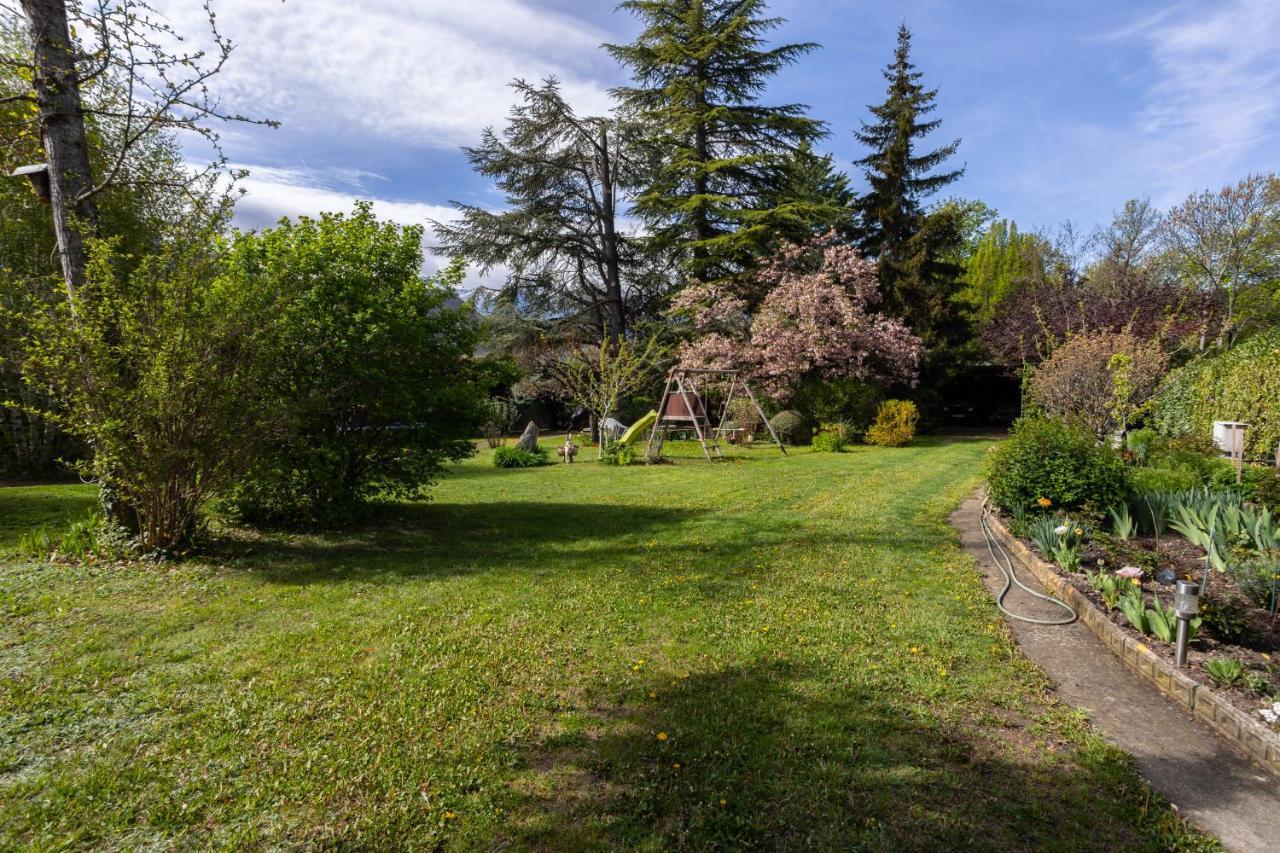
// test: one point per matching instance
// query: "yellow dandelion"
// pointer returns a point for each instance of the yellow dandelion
(724, 802)
(662, 735)
(942, 671)
(1045, 502)
(915, 650)
(653, 694)
(676, 765)
(449, 815)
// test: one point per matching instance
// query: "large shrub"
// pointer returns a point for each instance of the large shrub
(1056, 461)
(370, 370)
(792, 427)
(895, 424)
(1099, 380)
(1239, 384)
(152, 365)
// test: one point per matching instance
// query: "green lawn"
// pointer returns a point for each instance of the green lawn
(776, 652)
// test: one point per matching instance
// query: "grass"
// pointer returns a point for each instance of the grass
(25, 507)
(767, 652)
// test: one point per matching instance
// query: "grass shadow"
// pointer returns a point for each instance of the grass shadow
(442, 539)
(774, 756)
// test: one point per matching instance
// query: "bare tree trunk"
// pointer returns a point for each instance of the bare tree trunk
(615, 315)
(57, 90)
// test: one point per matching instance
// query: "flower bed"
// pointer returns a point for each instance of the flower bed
(1131, 582)
(1252, 723)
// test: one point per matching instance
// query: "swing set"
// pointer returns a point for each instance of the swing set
(683, 408)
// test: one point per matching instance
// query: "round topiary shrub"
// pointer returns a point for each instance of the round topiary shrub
(1057, 462)
(792, 427)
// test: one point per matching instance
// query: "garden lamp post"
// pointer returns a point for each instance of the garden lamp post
(1186, 604)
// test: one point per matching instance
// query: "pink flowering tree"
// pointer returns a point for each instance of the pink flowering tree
(815, 318)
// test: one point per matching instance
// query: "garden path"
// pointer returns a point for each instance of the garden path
(1213, 784)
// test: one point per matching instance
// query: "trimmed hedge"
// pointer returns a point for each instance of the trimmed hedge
(792, 427)
(828, 442)
(1240, 384)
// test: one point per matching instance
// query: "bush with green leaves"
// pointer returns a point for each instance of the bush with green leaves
(1175, 479)
(1238, 384)
(617, 453)
(1058, 462)
(1227, 619)
(517, 457)
(792, 427)
(1264, 489)
(155, 365)
(852, 402)
(369, 371)
(828, 441)
(895, 424)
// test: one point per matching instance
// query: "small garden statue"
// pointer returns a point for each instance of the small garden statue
(569, 449)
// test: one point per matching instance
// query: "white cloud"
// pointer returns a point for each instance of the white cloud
(1216, 89)
(1206, 83)
(425, 72)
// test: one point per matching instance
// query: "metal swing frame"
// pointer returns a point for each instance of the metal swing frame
(679, 382)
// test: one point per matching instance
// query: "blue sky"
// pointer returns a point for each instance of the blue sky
(1065, 109)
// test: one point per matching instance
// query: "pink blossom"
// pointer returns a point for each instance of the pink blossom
(813, 319)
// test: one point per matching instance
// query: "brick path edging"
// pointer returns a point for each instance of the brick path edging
(1259, 742)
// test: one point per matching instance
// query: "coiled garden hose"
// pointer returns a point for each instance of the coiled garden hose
(1011, 578)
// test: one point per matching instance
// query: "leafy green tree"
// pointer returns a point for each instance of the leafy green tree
(914, 249)
(1003, 261)
(369, 370)
(155, 374)
(698, 69)
(138, 212)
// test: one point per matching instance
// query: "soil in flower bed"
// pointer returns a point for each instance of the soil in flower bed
(1259, 651)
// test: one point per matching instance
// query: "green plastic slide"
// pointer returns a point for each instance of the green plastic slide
(638, 429)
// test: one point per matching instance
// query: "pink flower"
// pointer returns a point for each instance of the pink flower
(1129, 572)
(813, 319)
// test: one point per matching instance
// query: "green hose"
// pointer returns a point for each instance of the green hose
(1011, 578)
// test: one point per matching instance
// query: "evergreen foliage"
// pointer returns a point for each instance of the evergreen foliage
(559, 237)
(914, 248)
(698, 68)
(1003, 261)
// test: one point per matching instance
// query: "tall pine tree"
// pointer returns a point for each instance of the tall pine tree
(561, 238)
(698, 69)
(810, 196)
(912, 247)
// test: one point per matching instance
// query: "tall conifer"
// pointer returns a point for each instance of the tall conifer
(910, 245)
(698, 69)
